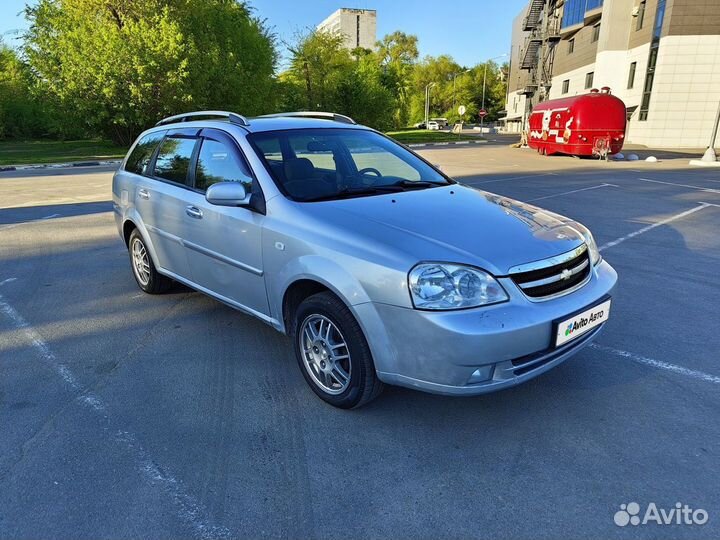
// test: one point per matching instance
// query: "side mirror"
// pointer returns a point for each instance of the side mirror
(227, 194)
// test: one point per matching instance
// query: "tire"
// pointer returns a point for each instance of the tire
(347, 380)
(148, 279)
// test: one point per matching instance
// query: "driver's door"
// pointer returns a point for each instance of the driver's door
(224, 243)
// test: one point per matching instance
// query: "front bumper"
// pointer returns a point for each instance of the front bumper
(479, 350)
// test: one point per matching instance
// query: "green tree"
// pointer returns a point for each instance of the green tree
(398, 53)
(120, 65)
(325, 76)
(455, 85)
(21, 115)
(319, 63)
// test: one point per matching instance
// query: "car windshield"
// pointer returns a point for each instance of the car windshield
(327, 164)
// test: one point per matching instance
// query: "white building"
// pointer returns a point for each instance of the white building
(661, 57)
(358, 26)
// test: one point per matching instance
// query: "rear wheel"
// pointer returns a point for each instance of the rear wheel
(332, 352)
(144, 271)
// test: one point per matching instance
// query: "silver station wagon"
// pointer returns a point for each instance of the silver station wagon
(379, 267)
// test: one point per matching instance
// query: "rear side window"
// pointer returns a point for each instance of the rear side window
(217, 162)
(139, 158)
(173, 160)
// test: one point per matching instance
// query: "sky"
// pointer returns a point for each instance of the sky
(470, 31)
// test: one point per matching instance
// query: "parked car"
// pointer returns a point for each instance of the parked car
(433, 125)
(441, 122)
(379, 267)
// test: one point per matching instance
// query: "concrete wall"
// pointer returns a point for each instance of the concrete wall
(685, 96)
(693, 17)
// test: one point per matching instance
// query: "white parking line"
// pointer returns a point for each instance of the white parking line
(13, 225)
(658, 364)
(707, 190)
(189, 510)
(33, 337)
(513, 178)
(570, 192)
(651, 227)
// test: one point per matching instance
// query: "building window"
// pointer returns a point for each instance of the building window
(566, 86)
(596, 33)
(631, 75)
(652, 60)
(357, 31)
(571, 46)
(640, 16)
(574, 11)
(589, 79)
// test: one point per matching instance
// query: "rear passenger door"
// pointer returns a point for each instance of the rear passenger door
(162, 200)
(224, 243)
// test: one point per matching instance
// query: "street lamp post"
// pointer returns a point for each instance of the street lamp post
(710, 152)
(427, 102)
(482, 118)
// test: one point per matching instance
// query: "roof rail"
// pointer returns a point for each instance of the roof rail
(186, 117)
(313, 114)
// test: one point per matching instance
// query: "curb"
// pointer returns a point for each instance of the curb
(60, 165)
(701, 163)
(449, 143)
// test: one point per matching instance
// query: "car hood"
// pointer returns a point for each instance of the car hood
(455, 224)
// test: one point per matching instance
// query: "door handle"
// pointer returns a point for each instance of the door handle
(143, 193)
(194, 212)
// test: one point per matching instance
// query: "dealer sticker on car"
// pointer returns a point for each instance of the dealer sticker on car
(581, 323)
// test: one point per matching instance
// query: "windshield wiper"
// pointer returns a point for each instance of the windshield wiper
(417, 184)
(358, 191)
(348, 192)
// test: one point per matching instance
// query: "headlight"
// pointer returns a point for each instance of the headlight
(595, 256)
(452, 286)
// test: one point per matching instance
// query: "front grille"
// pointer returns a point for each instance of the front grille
(553, 276)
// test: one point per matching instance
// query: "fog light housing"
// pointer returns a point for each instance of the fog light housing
(481, 374)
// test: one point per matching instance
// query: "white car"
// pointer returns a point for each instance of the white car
(432, 124)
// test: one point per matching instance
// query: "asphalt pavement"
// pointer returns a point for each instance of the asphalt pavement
(125, 415)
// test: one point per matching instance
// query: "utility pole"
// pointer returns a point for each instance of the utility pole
(482, 118)
(427, 102)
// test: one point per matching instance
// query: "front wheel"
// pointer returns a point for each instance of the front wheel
(332, 352)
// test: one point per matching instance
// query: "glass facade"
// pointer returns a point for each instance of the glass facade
(652, 60)
(574, 11)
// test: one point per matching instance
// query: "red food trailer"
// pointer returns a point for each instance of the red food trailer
(588, 125)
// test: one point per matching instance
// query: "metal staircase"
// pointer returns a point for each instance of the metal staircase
(532, 20)
(542, 23)
(530, 53)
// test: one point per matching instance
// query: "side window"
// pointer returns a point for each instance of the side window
(139, 158)
(217, 162)
(173, 160)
